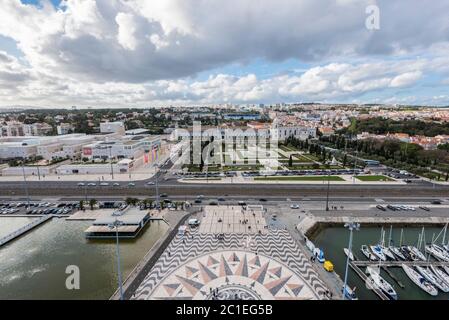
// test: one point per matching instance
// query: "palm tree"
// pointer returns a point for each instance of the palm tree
(81, 204)
(131, 201)
(92, 203)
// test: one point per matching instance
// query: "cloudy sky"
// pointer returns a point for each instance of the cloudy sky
(188, 52)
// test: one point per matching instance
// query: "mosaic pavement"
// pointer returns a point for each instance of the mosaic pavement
(232, 219)
(193, 266)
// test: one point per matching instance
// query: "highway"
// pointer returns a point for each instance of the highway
(169, 184)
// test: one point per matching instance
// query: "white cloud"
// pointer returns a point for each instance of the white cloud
(126, 30)
(406, 79)
(134, 51)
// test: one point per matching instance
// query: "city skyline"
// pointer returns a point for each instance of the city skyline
(136, 54)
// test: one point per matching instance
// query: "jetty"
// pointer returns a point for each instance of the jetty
(24, 229)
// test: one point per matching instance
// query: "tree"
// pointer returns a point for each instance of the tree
(92, 203)
(131, 201)
(81, 204)
(290, 161)
(345, 159)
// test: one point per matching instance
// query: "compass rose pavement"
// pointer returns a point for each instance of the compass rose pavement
(202, 267)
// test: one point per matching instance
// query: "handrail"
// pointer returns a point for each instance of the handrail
(24, 229)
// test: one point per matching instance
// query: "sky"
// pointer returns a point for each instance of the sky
(136, 53)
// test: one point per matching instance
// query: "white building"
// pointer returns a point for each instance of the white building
(112, 127)
(126, 147)
(49, 147)
(65, 128)
(37, 129)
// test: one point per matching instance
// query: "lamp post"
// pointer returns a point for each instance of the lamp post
(351, 227)
(25, 185)
(110, 160)
(115, 225)
(157, 186)
(328, 189)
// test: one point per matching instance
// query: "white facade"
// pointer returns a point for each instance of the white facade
(112, 127)
(12, 150)
(123, 166)
(65, 128)
(128, 147)
(301, 133)
(48, 147)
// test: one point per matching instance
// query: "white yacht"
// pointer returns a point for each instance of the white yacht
(397, 252)
(388, 253)
(376, 280)
(432, 278)
(438, 252)
(440, 274)
(419, 280)
(446, 268)
(350, 293)
(367, 253)
(349, 253)
(378, 252)
(416, 253)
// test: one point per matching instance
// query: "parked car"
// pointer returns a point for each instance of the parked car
(381, 207)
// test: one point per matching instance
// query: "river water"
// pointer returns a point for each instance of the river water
(332, 240)
(33, 266)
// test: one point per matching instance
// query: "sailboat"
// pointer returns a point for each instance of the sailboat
(386, 250)
(419, 280)
(378, 252)
(438, 252)
(367, 253)
(350, 293)
(379, 282)
(349, 253)
(445, 246)
(415, 253)
(446, 269)
(397, 250)
(430, 276)
(406, 252)
(440, 274)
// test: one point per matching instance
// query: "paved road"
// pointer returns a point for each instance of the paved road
(168, 184)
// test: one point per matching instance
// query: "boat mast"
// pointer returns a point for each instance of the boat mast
(444, 235)
(389, 237)
(381, 236)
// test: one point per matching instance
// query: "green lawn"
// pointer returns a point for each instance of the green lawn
(286, 148)
(374, 178)
(303, 178)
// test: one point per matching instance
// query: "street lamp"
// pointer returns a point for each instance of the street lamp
(351, 227)
(327, 193)
(25, 185)
(110, 160)
(157, 185)
(115, 225)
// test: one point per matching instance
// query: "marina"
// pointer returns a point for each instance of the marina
(412, 273)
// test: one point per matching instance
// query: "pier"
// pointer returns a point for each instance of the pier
(24, 229)
(399, 263)
(364, 277)
(358, 264)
